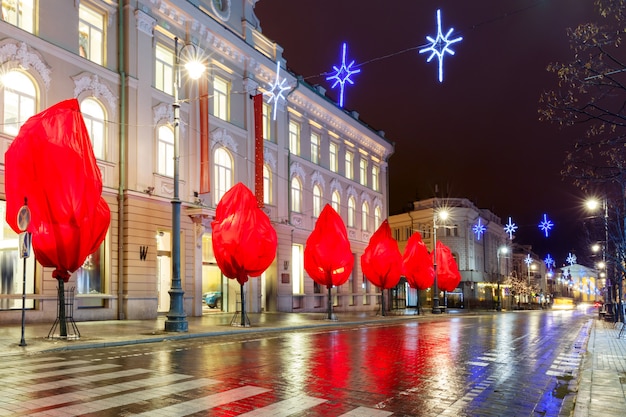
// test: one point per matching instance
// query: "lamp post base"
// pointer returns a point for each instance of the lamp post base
(176, 324)
(436, 309)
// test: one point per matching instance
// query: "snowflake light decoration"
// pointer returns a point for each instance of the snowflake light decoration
(440, 45)
(528, 260)
(571, 258)
(479, 229)
(510, 228)
(549, 262)
(545, 225)
(342, 74)
(275, 93)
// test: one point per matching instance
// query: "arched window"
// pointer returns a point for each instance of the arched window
(223, 167)
(336, 201)
(267, 185)
(351, 211)
(365, 212)
(377, 217)
(296, 195)
(165, 151)
(19, 101)
(317, 200)
(94, 117)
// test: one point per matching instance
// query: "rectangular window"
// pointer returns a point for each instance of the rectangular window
(332, 160)
(20, 13)
(91, 34)
(164, 69)
(294, 138)
(297, 268)
(267, 122)
(315, 148)
(12, 268)
(363, 171)
(90, 278)
(375, 179)
(349, 162)
(221, 92)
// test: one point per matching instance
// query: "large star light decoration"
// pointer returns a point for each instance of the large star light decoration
(571, 258)
(275, 93)
(342, 74)
(440, 45)
(545, 225)
(528, 260)
(510, 228)
(479, 229)
(549, 261)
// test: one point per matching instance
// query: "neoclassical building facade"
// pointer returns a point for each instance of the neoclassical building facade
(119, 60)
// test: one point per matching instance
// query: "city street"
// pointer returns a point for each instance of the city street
(506, 364)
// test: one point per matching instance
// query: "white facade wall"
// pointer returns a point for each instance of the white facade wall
(140, 198)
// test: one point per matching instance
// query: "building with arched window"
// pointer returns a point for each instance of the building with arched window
(118, 59)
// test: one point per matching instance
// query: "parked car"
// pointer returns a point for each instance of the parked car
(213, 299)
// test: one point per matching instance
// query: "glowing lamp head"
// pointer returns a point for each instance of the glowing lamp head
(592, 204)
(595, 247)
(195, 69)
(443, 214)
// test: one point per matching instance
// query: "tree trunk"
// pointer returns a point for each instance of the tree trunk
(62, 318)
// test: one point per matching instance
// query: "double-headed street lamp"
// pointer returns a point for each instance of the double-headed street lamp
(443, 215)
(176, 317)
(501, 250)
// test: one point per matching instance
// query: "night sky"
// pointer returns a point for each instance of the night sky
(477, 134)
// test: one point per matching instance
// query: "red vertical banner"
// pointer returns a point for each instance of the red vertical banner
(258, 149)
(205, 171)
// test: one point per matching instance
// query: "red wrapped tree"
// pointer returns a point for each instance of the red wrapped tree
(244, 241)
(418, 264)
(448, 275)
(381, 262)
(328, 258)
(51, 166)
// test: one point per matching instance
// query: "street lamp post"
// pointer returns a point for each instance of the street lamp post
(593, 204)
(443, 215)
(176, 317)
(502, 250)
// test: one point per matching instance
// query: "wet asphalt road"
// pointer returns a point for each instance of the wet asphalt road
(507, 364)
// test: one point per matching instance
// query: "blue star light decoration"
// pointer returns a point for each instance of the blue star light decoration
(549, 262)
(342, 74)
(479, 229)
(545, 225)
(571, 258)
(275, 93)
(510, 228)
(528, 260)
(440, 45)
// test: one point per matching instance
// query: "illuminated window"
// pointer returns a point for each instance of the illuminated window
(297, 268)
(90, 278)
(294, 138)
(351, 211)
(377, 217)
(267, 185)
(20, 13)
(267, 121)
(20, 101)
(165, 151)
(336, 201)
(94, 117)
(296, 195)
(349, 162)
(91, 34)
(223, 172)
(164, 69)
(375, 178)
(315, 148)
(317, 200)
(363, 171)
(221, 92)
(365, 213)
(332, 160)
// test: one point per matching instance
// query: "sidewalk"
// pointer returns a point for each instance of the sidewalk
(602, 380)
